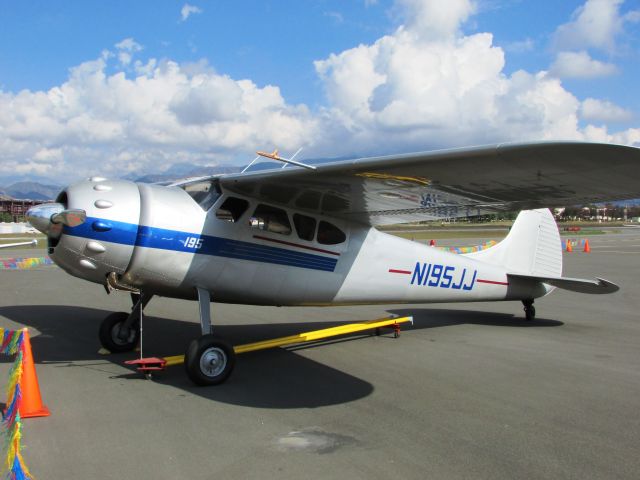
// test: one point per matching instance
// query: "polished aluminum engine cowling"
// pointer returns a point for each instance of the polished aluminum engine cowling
(105, 242)
(123, 220)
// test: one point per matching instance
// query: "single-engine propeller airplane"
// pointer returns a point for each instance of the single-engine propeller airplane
(306, 235)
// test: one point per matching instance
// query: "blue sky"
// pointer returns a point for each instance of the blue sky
(269, 42)
(131, 86)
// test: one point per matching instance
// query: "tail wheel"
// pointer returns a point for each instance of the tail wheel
(115, 337)
(529, 310)
(209, 360)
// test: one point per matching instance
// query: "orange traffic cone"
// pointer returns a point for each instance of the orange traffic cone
(587, 248)
(569, 247)
(432, 243)
(31, 402)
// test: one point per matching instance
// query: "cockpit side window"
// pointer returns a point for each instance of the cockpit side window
(232, 209)
(305, 226)
(204, 193)
(329, 234)
(271, 219)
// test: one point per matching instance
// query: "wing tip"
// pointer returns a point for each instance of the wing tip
(610, 287)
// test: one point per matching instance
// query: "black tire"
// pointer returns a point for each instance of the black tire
(530, 313)
(108, 333)
(209, 360)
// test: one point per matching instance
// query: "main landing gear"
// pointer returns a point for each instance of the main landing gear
(529, 310)
(209, 359)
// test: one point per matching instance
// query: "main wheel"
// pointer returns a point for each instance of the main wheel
(209, 360)
(111, 336)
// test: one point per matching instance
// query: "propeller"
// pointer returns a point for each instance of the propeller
(70, 218)
(50, 217)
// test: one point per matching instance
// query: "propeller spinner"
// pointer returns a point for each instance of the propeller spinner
(49, 218)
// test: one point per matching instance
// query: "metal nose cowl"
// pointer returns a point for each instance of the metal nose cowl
(49, 217)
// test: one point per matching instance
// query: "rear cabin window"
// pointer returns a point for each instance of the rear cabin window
(204, 193)
(232, 209)
(270, 219)
(305, 226)
(329, 234)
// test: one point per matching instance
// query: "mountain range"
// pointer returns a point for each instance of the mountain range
(30, 191)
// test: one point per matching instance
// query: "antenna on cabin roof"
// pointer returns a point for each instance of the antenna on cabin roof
(274, 156)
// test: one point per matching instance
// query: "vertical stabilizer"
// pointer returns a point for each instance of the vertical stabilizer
(532, 247)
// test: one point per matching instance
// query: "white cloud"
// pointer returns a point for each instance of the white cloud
(630, 136)
(188, 10)
(598, 24)
(48, 154)
(407, 92)
(159, 116)
(580, 65)
(594, 24)
(126, 49)
(593, 109)
(435, 19)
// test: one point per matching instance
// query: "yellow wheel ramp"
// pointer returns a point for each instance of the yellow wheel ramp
(307, 336)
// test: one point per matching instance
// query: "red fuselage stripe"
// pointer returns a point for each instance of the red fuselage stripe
(405, 272)
(259, 237)
(492, 282)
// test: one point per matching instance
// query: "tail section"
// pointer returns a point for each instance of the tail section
(532, 255)
(532, 247)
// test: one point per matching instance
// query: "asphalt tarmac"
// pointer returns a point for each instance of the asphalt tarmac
(470, 391)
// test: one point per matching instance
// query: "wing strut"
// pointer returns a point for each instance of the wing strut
(274, 156)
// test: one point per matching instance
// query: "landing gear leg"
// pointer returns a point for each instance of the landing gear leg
(119, 331)
(529, 309)
(209, 360)
(204, 302)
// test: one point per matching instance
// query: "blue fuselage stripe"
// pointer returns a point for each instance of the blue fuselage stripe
(177, 241)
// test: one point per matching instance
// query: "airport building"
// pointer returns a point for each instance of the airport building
(12, 210)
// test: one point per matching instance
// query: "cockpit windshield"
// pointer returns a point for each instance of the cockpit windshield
(205, 193)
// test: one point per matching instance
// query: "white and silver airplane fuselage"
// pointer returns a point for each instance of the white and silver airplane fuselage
(159, 240)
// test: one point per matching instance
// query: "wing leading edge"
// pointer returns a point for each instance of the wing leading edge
(452, 183)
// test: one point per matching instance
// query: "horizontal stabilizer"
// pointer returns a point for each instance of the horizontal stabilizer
(599, 285)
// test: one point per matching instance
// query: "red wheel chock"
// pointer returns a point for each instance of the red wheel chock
(146, 365)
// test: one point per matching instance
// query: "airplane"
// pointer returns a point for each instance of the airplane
(306, 235)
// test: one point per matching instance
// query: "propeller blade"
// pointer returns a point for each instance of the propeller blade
(70, 218)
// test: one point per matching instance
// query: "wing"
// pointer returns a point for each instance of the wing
(452, 183)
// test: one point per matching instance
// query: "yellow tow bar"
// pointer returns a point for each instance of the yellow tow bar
(305, 337)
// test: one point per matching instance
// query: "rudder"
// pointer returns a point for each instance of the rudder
(532, 247)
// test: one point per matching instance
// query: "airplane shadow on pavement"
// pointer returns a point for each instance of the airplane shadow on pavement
(438, 317)
(277, 378)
